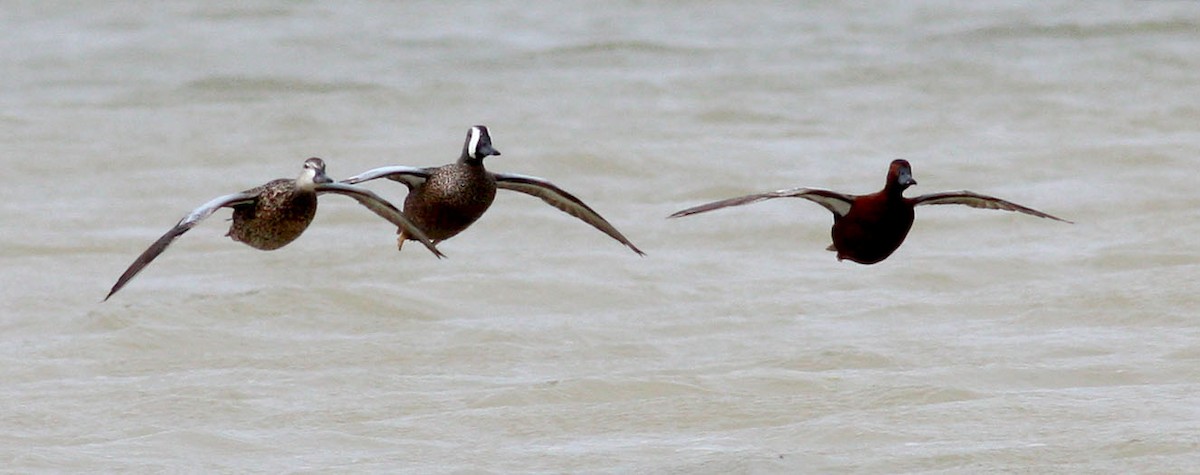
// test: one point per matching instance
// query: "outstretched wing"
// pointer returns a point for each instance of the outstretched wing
(188, 222)
(411, 177)
(382, 208)
(976, 200)
(559, 198)
(837, 203)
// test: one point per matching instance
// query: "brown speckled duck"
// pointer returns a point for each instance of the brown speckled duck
(868, 228)
(444, 201)
(271, 215)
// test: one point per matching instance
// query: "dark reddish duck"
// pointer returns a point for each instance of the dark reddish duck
(868, 228)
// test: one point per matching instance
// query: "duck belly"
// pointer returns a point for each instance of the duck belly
(273, 223)
(869, 242)
(442, 210)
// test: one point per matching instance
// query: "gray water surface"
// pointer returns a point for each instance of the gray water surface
(990, 342)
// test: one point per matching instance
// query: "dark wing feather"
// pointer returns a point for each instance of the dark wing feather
(188, 222)
(382, 208)
(837, 203)
(411, 177)
(561, 199)
(976, 200)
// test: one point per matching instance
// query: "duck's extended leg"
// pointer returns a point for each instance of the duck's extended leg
(401, 236)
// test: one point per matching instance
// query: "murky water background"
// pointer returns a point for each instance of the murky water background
(988, 342)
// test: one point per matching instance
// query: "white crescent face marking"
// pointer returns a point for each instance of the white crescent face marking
(473, 144)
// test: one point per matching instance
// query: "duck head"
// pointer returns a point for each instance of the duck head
(478, 145)
(314, 173)
(899, 176)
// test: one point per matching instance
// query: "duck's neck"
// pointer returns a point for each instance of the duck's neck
(306, 182)
(895, 190)
(466, 160)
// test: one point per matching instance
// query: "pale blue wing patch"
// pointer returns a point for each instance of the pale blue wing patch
(188, 222)
(411, 177)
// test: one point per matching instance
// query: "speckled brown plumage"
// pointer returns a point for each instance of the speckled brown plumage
(271, 215)
(443, 201)
(280, 215)
(453, 197)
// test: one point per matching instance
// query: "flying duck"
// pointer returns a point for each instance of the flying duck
(444, 201)
(271, 215)
(868, 228)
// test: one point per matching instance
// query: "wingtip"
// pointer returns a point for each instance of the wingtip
(693, 210)
(428, 245)
(1056, 218)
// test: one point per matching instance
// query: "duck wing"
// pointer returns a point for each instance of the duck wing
(188, 222)
(976, 200)
(561, 199)
(411, 177)
(382, 208)
(837, 203)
